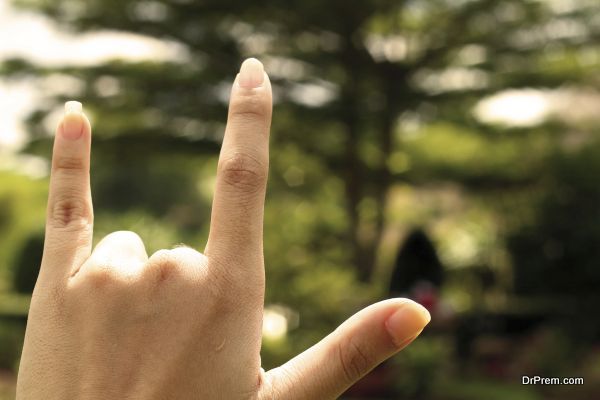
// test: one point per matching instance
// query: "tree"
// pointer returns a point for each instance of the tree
(373, 64)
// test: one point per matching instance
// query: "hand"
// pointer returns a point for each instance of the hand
(113, 323)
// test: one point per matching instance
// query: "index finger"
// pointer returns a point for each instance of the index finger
(237, 212)
(69, 217)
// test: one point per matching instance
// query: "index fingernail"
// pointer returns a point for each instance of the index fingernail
(252, 74)
(72, 121)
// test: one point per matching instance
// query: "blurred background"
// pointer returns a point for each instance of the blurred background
(444, 150)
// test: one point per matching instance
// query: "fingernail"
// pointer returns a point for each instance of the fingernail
(72, 121)
(407, 322)
(252, 74)
(408, 341)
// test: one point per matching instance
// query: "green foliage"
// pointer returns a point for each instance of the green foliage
(27, 266)
(373, 134)
(475, 157)
(417, 370)
(11, 337)
(548, 354)
(23, 208)
(560, 244)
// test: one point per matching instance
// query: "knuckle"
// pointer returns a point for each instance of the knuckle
(106, 276)
(244, 172)
(160, 256)
(162, 266)
(165, 270)
(354, 360)
(250, 106)
(70, 213)
(69, 164)
(124, 237)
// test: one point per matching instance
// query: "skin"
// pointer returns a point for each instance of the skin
(115, 323)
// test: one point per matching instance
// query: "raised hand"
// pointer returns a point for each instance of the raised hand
(113, 323)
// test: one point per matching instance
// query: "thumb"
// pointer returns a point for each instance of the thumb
(357, 346)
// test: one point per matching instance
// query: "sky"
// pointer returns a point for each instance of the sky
(37, 38)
